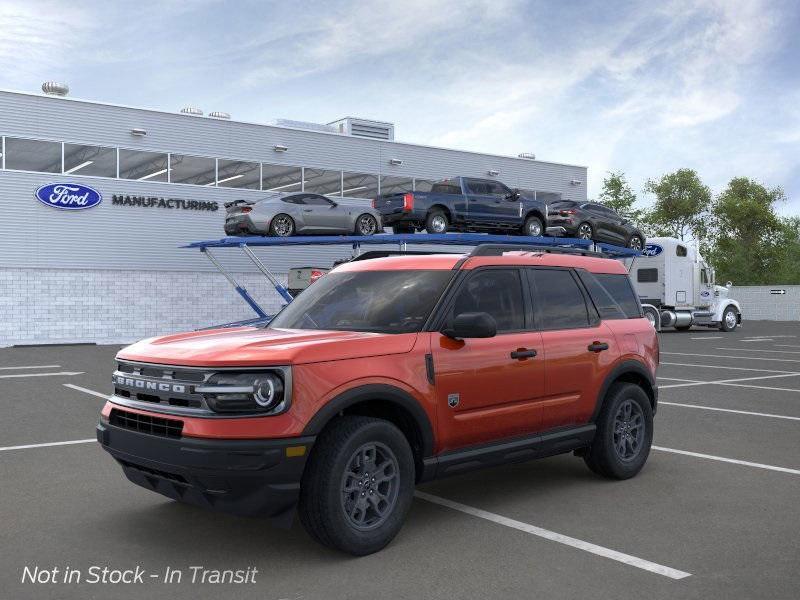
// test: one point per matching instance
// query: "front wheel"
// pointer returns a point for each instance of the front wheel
(729, 320)
(358, 486)
(635, 242)
(585, 231)
(281, 226)
(533, 227)
(366, 224)
(624, 433)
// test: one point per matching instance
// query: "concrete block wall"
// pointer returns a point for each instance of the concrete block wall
(41, 306)
(758, 303)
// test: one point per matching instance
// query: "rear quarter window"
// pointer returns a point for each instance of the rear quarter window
(613, 295)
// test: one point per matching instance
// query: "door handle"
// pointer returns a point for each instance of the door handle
(523, 353)
(307, 210)
(597, 347)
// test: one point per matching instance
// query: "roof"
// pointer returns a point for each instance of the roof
(448, 261)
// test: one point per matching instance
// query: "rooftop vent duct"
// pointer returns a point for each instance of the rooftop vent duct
(192, 110)
(527, 155)
(376, 130)
(53, 88)
(303, 125)
(219, 115)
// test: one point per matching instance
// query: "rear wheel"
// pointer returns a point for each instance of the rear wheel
(366, 224)
(436, 222)
(281, 226)
(729, 320)
(533, 227)
(585, 231)
(358, 486)
(624, 433)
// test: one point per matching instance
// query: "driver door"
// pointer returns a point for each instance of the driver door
(324, 215)
(483, 392)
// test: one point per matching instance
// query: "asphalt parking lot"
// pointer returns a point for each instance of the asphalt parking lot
(714, 514)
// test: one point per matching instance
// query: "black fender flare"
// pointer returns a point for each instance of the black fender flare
(365, 393)
(621, 369)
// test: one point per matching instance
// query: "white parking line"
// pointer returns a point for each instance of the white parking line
(787, 346)
(727, 381)
(556, 537)
(762, 387)
(85, 390)
(672, 364)
(31, 367)
(68, 443)
(729, 410)
(708, 337)
(739, 357)
(759, 350)
(727, 460)
(757, 340)
(66, 373)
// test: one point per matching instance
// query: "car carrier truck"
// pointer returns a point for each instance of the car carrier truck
(677, 289)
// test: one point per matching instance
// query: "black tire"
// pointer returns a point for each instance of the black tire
(585, 231)
(728, 324)
(323, 501)
(282, 225)
(366, 225)
(635, 242)
(437, 221)
(533, 227)
(403, 229)
(603, 456)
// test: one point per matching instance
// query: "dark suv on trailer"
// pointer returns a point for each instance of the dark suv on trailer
(593, 221)
(386, 373)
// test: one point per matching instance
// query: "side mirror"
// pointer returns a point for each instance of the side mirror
(472, 325)
(514, 195)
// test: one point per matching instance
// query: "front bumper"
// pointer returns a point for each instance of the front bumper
(242, 477)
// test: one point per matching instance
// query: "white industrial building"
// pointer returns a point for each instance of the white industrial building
(114, 272)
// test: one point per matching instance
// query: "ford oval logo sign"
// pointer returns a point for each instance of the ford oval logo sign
(68, 196)
(652, 250)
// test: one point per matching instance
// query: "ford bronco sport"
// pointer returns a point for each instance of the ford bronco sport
(386, 373)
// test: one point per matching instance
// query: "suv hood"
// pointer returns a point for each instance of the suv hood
(251, 346)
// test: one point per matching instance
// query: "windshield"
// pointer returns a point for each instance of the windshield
(376, 301)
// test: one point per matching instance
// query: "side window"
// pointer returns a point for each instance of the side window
(680, 251)
(612, 294)
(647, 275)
(497, 189)
(315, 200)
(560, 300)
(444, 187)
(477, 187)
(703, 276)
(497, 292)
(297, 199)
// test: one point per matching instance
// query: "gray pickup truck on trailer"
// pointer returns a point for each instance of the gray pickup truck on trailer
(465, 204)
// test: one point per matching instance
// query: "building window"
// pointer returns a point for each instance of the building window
(90, 160)
(238, 174)
(143, 166)
(280, 178)
(195, 170)
(396, 185)
(33, 155)
(359, 185)
(320, 181)
(423, 185)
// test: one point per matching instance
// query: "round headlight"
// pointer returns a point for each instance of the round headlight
(268, 391)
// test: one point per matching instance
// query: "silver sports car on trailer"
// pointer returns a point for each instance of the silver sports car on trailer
(301, 213)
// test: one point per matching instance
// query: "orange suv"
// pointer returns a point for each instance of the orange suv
(386, 373)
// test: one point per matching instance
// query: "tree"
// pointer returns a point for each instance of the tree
(618, 195)
(751, 244)
(681, 206)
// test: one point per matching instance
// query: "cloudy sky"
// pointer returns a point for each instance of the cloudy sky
(642, 87)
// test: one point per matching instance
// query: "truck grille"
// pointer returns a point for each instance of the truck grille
(163, 385)
(171, 428)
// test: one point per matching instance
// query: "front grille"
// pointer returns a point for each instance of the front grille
(171, 428)
(162, 385)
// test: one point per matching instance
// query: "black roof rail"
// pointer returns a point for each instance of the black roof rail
(498, 249)
(384, 253)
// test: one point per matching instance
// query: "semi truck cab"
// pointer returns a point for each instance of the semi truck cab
(677, 288)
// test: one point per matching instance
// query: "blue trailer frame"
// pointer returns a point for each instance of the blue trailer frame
(245, 244)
